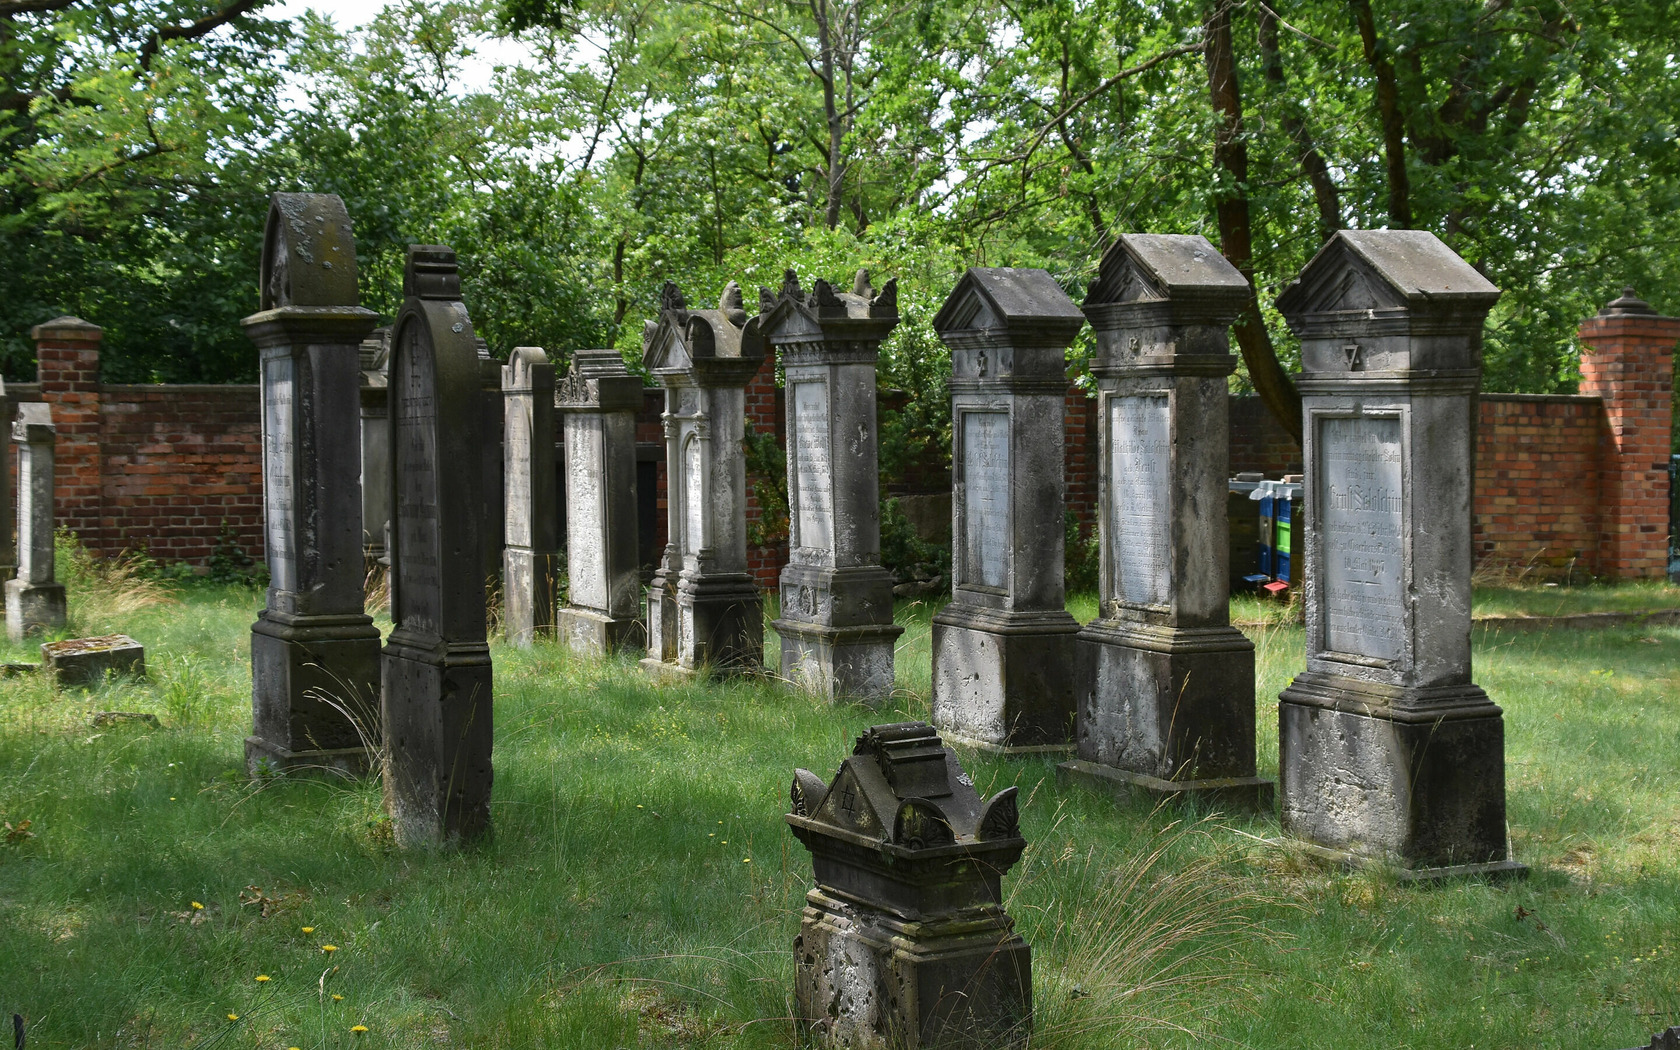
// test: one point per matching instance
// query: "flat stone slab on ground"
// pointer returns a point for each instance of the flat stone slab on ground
(106, 719)
(84, 661)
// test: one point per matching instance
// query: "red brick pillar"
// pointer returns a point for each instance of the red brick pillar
(1629, 363)
(67, 366)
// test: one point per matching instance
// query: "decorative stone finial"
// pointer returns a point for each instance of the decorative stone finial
(672, 298)
(1628, 305)
(732, 305)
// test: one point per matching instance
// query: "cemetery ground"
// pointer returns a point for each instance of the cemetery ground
(641, 889)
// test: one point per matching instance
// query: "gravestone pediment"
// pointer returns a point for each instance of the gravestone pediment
(1358, 271)
(309, 252)
(1147, 267)
(792, 313)
(682, 338)
(989, 298)
(523, 363)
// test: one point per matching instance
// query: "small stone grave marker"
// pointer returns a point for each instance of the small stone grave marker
(35, 599)
(86, 661)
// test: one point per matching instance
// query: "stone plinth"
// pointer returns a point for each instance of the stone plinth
(836, 621)
(314, 650)
(704, 610)
(87, 661)
(34, 599)
(1166, 684)
(1003, 649)
(437, 698)
(1387, 749)
(904, 941)
(530, 554)
(598, 401)
(1629, 362)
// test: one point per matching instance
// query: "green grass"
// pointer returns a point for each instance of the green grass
(641, 889)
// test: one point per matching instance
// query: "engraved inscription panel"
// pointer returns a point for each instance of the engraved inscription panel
(517, 527)
(986, 518)
(1140, 491)
(694, 496)
(414, 405)
(813, 466)
(1360, 496)
(586, 513)
(278, 494)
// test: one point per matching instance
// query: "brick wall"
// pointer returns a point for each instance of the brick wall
(1537, 484)
(1080, 452)
(765, 415)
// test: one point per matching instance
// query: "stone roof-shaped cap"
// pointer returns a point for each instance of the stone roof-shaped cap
(34, 422)
(824, 304)
(1008, 298)
(67, 328)
(1362, 270)
(1629, 305)
(681, 338)
(903, 788)
(1165, 266)
(309, 252)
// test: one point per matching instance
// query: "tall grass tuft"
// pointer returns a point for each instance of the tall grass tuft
(115, 586)
(1159, 943)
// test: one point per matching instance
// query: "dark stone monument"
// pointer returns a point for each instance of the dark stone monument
(530, 556)
(1166, 684)
(1667, 1039)
(904, 941)
(704, 610)
(374, 359)
(492, 404)
(1003, 649)
(1387, 750)
(8, 540)
(837, 603)
(437, 694)
(34, 598)
(314, 650)
(598, 400)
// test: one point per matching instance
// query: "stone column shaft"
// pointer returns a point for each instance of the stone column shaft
(530, 558)
(35, 600)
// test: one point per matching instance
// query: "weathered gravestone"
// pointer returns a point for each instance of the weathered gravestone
(376, 445)
(837, 616)
(34, 599)
(1003, 649)
(8, 539)
(437, 697)
(904, 941)
(704, 610)
(314, 650)
(492, 404)
(530, 555)
(1166, 684)
(1386, 748)
(598, 401)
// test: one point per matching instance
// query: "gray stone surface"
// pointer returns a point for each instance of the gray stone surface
(1386, 748)
(836, 619)
(8, 537)
(437, 695)
(492, 405)
(530, 555)
(87, 661)
(1165, 683)
(314, 650)
(34, 598)
(598, 400)
(904, 941)
(374, 359)
(1003, 649)
(704, 609)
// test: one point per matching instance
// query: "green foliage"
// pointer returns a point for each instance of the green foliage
(906, 555)
(230, 562)
(767, 474)
(1081, 558)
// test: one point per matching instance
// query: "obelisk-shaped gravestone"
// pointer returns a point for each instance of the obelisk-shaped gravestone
(704, 609)
(1387, 750)
(34, 599)
(598, 400)
(837, 614)
(437, 693)
(314, 650)
(1166, 684)
(530, 556)
(1003, 649)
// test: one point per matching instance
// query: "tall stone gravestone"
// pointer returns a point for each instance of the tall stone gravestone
(376, 445)
(1166, 684)
(1003, 649)
(8, 539)
(836, 624)
(704, 610)
(437, 695)
(491, 455)
(34, 599)
(314, 650)
(1386, 748)
(530, 555)
(598, 400)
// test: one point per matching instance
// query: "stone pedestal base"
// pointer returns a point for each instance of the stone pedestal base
(34, 609)
(1170, 703)
(529, 594)
(720, 623)
(1411, 777)
(1004, 680)
(1494, 870)
(438, 720)
(263, 757)
(314, 690)
(839, 663)
(593, 633)
(1256, 793)
(865, 978)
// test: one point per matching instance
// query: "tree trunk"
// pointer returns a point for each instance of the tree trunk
(1388, 109)
(1313, 166)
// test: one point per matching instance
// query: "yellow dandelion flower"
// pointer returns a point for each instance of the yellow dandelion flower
(261, 977)
(233, 1017)
(197, 906)
(358, 1028)
(337, 998)
(309, 929)
(329, 948)
(746, 860)
(638, 805)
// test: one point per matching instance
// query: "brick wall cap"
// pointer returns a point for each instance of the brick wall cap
(72, 328)
(1628, 304)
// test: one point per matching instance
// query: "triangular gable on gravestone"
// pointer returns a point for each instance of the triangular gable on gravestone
(1358, 271)
(791, 312)
(682, 339)
(311, 252)
(992, 298)
(1182, 269)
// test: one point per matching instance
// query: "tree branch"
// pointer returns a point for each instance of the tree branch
(194, 30)
(1388, 109)
(8, 8)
